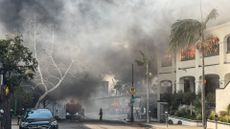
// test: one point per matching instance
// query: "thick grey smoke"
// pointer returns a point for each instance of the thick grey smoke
(102, 36)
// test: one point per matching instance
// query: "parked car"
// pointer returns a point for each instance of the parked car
(38, 119)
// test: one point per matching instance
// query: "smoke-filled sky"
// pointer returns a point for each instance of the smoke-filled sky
(102, 36)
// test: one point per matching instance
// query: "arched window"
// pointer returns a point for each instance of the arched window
(228, 44)
(166, 86)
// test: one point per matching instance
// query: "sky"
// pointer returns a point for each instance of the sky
(103, 37)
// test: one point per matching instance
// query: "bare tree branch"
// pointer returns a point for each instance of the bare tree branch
(36, 56)
(56, 86)
(55, 65)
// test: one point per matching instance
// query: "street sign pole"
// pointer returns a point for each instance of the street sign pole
(1, 82)
(1, 77)
(132, 97)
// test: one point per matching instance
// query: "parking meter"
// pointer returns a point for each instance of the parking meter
(1, 117)
(216, 119)
(166, 115)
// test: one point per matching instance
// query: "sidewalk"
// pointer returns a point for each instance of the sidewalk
(164, 126)
(14, 124)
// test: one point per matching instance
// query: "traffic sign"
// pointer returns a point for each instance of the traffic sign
(7, 90)
(132, 91)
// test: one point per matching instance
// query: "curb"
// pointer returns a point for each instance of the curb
(140, 124)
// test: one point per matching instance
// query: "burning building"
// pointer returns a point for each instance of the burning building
(184, 73)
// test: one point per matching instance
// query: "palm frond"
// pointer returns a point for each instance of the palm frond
(143, 55)
(144, 58)
(212, 15)
(184, 33)
(139, 62)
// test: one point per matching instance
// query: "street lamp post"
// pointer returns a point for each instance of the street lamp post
(1, 83)
(147, 96)
(145, 62)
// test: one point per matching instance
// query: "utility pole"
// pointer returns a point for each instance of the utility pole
(147, 90)
(132, 96)
(203, 72)
(203, 86)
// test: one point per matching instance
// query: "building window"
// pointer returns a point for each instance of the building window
(188, 53)
(228, 44)
(211, 46)
(166, 60)
(187, 86)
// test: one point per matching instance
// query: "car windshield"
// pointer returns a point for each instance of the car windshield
(38, 114)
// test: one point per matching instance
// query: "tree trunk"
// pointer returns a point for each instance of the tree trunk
(7, 114)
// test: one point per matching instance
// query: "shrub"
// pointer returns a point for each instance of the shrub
(229, 119)
(224, 116)
(181, 113)
(223, 113)
(198, 116)
(188, 98)
(212, 115)
(228, 109)
(225, 119)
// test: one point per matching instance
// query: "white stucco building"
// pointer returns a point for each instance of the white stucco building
(183, 71)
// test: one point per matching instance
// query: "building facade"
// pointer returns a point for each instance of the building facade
(183, 71)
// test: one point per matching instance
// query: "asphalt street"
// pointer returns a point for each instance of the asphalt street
(107, 124)
(94, 125)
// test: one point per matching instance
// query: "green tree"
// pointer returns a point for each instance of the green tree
(118, 87)
(188, 32)
(18, 64)
(22, 99)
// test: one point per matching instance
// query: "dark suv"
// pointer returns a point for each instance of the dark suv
(38, 119)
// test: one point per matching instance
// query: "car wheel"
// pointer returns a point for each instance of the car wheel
(179, 122)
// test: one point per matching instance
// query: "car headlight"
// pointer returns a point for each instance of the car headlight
(53, 123)
(24, 124)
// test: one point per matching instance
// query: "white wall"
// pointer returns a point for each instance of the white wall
(222, 99)
(212, 125)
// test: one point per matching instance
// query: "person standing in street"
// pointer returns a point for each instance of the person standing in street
(100, 114)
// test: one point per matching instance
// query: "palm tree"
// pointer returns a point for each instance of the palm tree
(118, 88)
(188, 32)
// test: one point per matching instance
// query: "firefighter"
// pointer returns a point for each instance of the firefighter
(100, 114)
